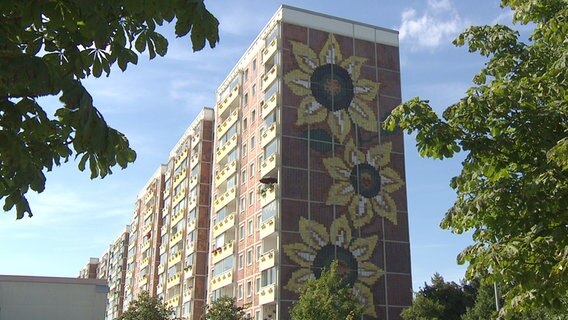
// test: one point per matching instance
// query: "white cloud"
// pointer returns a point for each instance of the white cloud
(435, 26)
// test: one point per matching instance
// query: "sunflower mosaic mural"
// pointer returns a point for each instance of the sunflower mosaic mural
(321, 246)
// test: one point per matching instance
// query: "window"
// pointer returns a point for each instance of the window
(249, 289)
(254, 64)
(245, 122)
(260, 159)
(241, 261)
(270, 149)
(243, 204)
(253, 115)
(268, 277)
(257, 284)
(244, 149)
(246, 74)
(246, 98)
(257, 315)
(251, 170)
(249, 229)
(258, 221)
(253, 90)
(252, 142)
(249, 257)
(269, 211)
(223, 265)
(251, 198)
(241, 232)
(240, 291)
(258, 252)
(244, 175)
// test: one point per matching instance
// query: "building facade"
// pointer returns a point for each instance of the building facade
(116, 278)
(289, 172)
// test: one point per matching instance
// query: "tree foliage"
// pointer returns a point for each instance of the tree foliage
(512, 126)
(147, 308)
(327, 297)
(441, 300)
(224, 308)
(46, 49)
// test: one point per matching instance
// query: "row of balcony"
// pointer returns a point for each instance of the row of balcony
(227, 171)
(178, 197)
(221, 226)
(181, 157)
(173, 280)
(227, 123)
(223, 252)
(268, 134)
(231, 97)
(225, 198)
(267, 106)
(223, 150)
(224, 279)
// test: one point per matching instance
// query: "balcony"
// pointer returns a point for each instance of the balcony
(149, 196)
(173, 280)
(178, 197)
(187, 293)
(268, 134)
(193, 181)
(267, 194)
(146, 245)
(178, 178)
(176, 238)
(224, 279)
(268, 165)
(147, 228)
(228, 123)
(194, 160)
(173, 301)
(267, 228)
(223, 105)
(177, 217)
(269, 77)
(221, 253)
(174, 259)
(267, 260)
(225, 148)
(267, 106)
(188, 272)
(227, 171)
(161, 268)
(267, 295)
(144, 262)
(269, 51)
(227, 223)
(143, 281)
(160, 288)
(164, 230)
(225, 198)
(192, 202)
(181, 157)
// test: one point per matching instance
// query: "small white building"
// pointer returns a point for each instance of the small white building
(50, 298)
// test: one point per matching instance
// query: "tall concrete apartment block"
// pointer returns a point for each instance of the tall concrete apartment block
(182, 270)
(303, 172)
(117, 256)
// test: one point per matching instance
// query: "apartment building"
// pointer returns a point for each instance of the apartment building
(117, 256)
(182, 270)
(89, 271)
(304, 175)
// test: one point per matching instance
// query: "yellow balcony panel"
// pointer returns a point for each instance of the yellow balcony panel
(178, 197)
(267, 195)
(221, 226)
(224, 279)
(229, 99)
(267, 295)
(164, 230)
(267, 260)
(223, 252)
(181, 157)
(268, 134)
(268, 227)
(191, 224)
(178, 178)
(269, 50)
(147, 228)
(173, 301)
(192, 202)
(144, 262)
(130, 259)
(174, 259)
(269, 77)
(190, 248)
(161, 268)
(160, 288)
(143, 281)
(176, 238)
(188, 272)
(268, 165)
(268, 105)
(173, 280)
(146, 245)
(149, 196)
(194, 160)
(177, 217)
(223, 150)
(225, 198)
(228, 123)
(227, 171)
(193, 181)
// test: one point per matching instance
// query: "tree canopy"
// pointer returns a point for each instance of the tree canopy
(512, 127)
(224, 308)
(46, 49)
(147, 308)
(327, 297)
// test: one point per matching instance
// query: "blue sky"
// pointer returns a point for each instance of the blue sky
(153, 103)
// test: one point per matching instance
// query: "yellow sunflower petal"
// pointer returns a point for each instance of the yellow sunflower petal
(337, 169)
(369, 273)
(305, 56)
(385, 206)
(340, 193)
(310, 112)
(298, 279)
(366, 89)
(330, 53)
(313, 233)
(353, 66)
(363, 115)
(362, 248)
(379, 155)
(300, 254)
(339, 123)
(363, 293)
(340, 232)
(359, 213)
(299, 82)
(390, 180)
(352, 155)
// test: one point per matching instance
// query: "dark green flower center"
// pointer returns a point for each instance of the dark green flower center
(366, 180)
(332, 87)
(346, 262)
